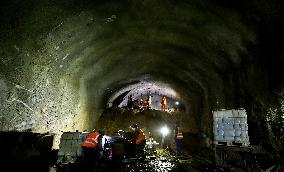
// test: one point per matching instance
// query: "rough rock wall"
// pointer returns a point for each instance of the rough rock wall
(47, 68)
(275, 124)
(39, 100)
(37, 93)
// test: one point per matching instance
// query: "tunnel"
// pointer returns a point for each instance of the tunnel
(70, 66)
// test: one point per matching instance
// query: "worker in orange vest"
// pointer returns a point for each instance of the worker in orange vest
(139, 140)
(91, 149)
(164, 103)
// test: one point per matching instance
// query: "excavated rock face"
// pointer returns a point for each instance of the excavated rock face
(63, 63)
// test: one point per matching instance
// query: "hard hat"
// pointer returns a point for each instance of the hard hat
(178, 122)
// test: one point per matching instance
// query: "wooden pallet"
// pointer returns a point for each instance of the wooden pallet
(230, 143)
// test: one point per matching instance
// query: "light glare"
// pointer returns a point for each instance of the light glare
(165, 130)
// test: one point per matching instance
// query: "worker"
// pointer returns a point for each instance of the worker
(130, 102)
(149, 101)
(145, 105)
(91, 149)
(164, 103)
(139, 140)
(178, 136)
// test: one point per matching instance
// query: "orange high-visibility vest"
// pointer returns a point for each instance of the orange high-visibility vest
(92, 140)
(140, 137)
(164, 100)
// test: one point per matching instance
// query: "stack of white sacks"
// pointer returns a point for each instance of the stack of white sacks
(230, 126)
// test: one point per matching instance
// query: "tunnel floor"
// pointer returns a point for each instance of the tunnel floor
(165, 160)
(28, 151)
(150, 164)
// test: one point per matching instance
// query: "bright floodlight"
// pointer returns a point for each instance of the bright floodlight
(177, 103)
(165, 131)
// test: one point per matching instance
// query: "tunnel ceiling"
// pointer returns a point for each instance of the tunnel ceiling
(63, 62)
